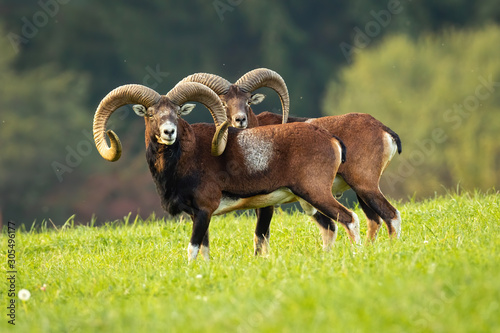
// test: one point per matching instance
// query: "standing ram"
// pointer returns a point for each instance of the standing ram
(370, 145)
(260, 167)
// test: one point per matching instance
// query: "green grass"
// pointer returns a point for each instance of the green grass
(443, 275)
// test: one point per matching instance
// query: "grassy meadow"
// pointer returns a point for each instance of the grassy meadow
(443, 275)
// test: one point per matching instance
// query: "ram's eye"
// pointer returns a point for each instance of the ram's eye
(249, 102)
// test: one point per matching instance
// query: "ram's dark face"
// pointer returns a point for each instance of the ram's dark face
(237, 104)
(162, 119)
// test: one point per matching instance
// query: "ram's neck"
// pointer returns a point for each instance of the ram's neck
(165, 163)
(252, 119)
(165, 158)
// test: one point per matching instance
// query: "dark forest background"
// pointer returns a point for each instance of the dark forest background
(430, 70)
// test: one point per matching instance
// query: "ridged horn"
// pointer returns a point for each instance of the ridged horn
(263, 77)
(217, 83)
(197, 92)
(123, 95)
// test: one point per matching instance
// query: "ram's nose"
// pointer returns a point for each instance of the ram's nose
(240, 121)
(168, 134)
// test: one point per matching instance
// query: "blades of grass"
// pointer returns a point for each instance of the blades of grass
(70, 222)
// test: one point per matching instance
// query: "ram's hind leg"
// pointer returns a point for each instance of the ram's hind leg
(325, 224)
(262, 234)
(373, 221)
(328, 230)
(329, 206)
(376, 201)
(199, 236)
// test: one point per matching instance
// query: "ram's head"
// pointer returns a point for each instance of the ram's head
(161, 114)
(237, 98)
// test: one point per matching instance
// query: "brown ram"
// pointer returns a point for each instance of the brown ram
(260, 167)
(370, 145)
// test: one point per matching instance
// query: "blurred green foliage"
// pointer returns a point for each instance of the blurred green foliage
(60, 58)
(39, 115)
(441, 94)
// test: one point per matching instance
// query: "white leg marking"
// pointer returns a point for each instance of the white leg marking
(354, 227)
(265, 246)
(257, 246)
(396, 224)
(372, 223)
(205, 252)
(192, 251)
(329, 237)
(261, 245)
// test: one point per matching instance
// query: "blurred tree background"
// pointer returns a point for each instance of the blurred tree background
(429, 70)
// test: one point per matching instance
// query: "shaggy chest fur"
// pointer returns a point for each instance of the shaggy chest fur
(174, 190)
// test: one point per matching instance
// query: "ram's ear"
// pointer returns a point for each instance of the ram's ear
(186, 109)
(140, 110)
(257, 98)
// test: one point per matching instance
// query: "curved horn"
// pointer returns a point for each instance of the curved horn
(197, 92)
(217, 83)
(127, 94)
(263, 77)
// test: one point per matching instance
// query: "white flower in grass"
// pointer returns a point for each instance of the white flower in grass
(199, 276)
(24, 295)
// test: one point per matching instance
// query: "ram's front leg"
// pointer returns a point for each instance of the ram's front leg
(199, 237)
(205, 247)
(261, 238)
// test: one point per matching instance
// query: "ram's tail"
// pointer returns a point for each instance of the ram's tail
(395, 137)
(342, 147)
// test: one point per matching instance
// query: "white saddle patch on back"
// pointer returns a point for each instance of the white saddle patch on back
(256, 149)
